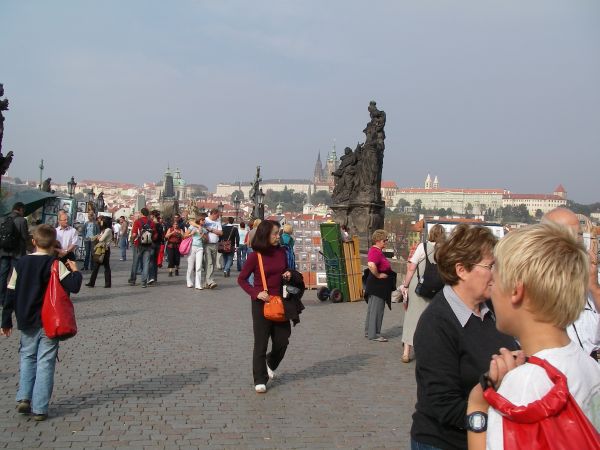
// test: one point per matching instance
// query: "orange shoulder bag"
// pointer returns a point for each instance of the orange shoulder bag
(273, 309)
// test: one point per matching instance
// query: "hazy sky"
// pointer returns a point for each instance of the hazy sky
(498, 94)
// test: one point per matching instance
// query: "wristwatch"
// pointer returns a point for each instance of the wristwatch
(476, 422)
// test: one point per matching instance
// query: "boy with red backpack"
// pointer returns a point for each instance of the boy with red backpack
(25, 297)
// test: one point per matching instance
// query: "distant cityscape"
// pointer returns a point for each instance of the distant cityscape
(124, 198)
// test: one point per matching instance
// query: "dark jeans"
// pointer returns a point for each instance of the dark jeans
(6, 265)
(174, 256)
(414, 445)
(88, 261)
(123, 244)
(153, 271)
(106, 265)
(242, 251)
(279, 332)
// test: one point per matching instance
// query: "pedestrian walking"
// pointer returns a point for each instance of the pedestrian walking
(195, 259)
(102, 252)
(143, 233)
(455, 339)
(14, 237)
(157, 242)
(414, 303)
(266, 242)
(230, 235)
(242, 249)
(174, 237)
(215, 231)
(123, 237)
(90, 229)
(380, 283)
(26, 290)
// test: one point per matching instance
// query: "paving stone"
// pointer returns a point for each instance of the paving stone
(164, 367)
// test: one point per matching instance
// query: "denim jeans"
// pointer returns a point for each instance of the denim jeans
(227, 262)
(414, 445)
(141, 255)
(153, 271)
(88, 261)
(123, 246)
(6, 265)
(242, 251)
(38, 359)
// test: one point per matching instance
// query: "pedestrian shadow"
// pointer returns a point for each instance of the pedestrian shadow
(102, 315)
(112, 295)
(393, 332)
(147, 388)
(328, 368)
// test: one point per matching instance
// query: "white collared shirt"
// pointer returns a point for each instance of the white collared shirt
(67, 237)
(213, 225)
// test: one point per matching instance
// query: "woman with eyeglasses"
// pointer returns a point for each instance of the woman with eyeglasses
(455, 339)
(379, 284)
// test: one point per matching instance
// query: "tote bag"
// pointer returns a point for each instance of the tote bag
(58, 314)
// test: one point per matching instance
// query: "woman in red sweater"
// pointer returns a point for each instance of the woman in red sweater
(266, 242)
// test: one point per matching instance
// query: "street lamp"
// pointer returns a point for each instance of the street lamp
(260, 198)
(220, 207)
(202, 210)
(71, 187)
(279, 209)
(236, 205)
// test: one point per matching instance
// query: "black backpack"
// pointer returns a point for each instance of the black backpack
(430, 283)
(8, 234)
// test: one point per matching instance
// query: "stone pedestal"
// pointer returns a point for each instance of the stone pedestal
(361, 218)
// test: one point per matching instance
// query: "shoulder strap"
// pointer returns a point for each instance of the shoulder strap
(262, 271)
(230, 232)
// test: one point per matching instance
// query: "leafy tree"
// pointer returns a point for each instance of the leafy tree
(239, 194)
(18, 180)
(402, 203)
(469, 209)
(321, 198)
(538, 214)
(417, 205)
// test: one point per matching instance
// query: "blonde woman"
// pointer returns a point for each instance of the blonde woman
(414, 304)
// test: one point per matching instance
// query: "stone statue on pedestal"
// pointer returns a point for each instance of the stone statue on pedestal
(100, 204)
(4, 160)
(47, 185)
(356, 196)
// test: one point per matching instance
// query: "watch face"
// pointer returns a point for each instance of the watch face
(477, 422)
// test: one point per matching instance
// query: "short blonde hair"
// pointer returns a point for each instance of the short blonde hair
(288, 228)
(552, 266)
(437, 234)
(379, 235)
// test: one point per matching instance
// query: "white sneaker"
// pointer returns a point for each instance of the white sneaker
(270, 372)
(151, 280)
(260, 388)
(199, 288)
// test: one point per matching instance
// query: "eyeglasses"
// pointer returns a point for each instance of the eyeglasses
(486, 266)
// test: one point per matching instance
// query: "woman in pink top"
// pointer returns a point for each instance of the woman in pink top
(379, 266)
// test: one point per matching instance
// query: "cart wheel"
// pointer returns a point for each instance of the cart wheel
(336, 296)
(323, 293)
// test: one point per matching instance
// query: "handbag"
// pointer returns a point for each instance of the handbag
(273, 309)
(224, 246)
(99, 252)
(431, 282)
(185, 246)
(552, 422)
(58, 314)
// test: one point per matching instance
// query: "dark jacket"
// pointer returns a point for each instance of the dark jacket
(22, 232)
(381, 288)
(230, 233)
(292, 303)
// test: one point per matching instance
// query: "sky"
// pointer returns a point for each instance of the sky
(481, 93)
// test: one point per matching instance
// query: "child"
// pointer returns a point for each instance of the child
(540, 281)
(25, 296)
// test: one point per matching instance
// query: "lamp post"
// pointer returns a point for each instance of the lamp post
(260, 198)
(41, 167)
(91, 207)
(71, 187)
(220, 207)
(236, 205)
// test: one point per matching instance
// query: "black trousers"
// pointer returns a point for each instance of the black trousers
(106, 265)
(174, 256)
(279, 332)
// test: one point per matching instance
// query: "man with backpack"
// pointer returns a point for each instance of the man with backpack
(143, 235)
(14, 236)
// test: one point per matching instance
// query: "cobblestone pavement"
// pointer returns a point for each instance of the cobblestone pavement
(170, 367)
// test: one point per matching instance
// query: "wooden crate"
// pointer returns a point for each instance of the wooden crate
(353, 269)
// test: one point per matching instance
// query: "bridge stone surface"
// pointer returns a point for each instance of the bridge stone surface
(170, 367)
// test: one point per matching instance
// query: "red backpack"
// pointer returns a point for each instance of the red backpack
(553, 422)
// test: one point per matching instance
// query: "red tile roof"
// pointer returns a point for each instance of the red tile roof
(389, 185)
(560, 188)
(509, 196)
(455, 190)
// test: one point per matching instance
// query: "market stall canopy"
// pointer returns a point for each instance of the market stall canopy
(32, 198)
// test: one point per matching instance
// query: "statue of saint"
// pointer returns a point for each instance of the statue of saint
(100, 205)
(345, 176)
(46, 185)
(3, 107)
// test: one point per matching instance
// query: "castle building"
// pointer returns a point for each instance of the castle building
(323, 178)
(174, 187)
